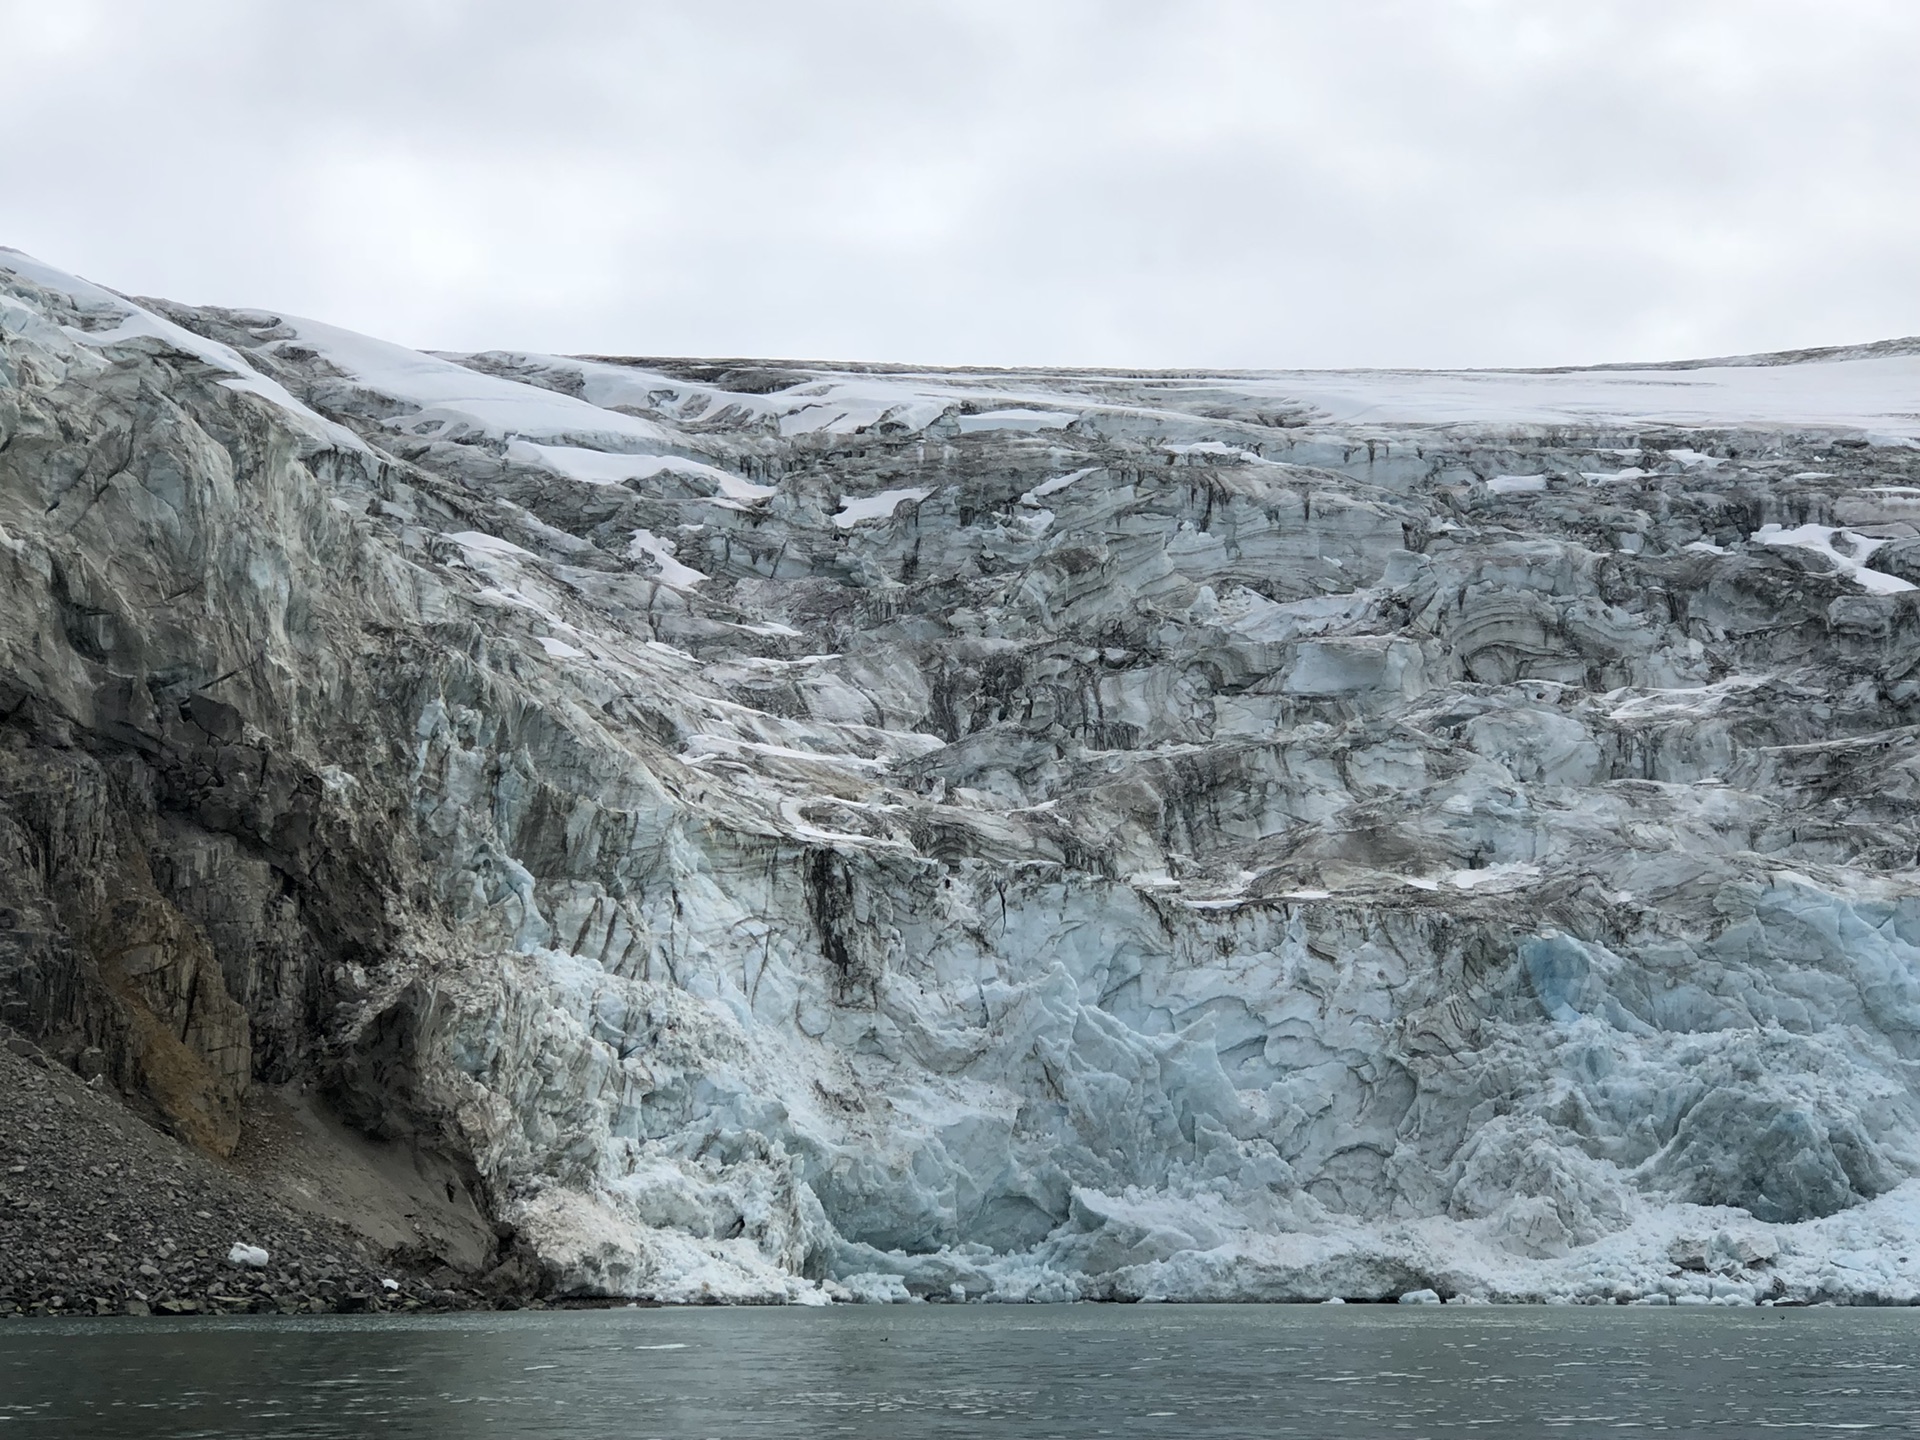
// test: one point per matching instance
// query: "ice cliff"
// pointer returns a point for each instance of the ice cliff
(803, 831)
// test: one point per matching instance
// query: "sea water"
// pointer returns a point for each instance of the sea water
(1381, 1372)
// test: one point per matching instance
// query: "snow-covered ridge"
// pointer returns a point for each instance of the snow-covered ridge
(911, 833)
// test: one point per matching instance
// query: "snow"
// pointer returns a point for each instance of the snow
(453, 402)
(1054, 485)
(645, 544)
(847, 408)
(1872, 395)
(600, 467)
(1492, 876)
(856, 509)
(826, 402)
(488, 544)
(560, 650)
(1516, 484)
(1847, 550)
(1023, 420)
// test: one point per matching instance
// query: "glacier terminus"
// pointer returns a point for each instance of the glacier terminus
(785, 832)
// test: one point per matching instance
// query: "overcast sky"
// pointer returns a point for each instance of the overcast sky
(1111, 182)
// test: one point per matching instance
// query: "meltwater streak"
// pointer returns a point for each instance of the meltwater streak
(1186, 1371)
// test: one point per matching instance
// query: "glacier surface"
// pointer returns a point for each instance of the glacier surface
(809, 833)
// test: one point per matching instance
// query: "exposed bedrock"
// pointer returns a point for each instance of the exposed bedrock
(797, 832)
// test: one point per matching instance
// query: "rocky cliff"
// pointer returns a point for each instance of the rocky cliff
(785, 832)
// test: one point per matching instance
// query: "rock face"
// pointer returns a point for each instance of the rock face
(799, 832)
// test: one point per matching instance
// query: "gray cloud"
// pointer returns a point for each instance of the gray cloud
(1219, 182)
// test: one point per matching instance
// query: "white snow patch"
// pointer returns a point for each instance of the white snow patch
(1217, 448)
(600, 467)
(1846, 548)
(560, 650)
(1874, 396)
(1516, 484)
(1026, 420)
(1497, 876)
(841, 407)
(857, 508)
(646, 544)
(1054, 486)
(453, 402)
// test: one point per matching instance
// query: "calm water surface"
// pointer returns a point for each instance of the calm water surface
(983, 1371)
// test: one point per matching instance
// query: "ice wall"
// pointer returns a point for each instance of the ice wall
(821, 833)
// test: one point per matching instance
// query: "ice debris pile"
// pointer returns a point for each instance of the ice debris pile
(807, 832)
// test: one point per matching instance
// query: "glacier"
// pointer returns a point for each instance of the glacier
(806, 833)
